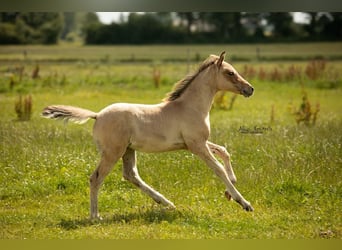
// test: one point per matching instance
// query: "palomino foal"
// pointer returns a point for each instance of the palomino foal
(181, 121)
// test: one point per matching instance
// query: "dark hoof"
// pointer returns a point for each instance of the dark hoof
(228, 196)
(249, 208)
(246, 205)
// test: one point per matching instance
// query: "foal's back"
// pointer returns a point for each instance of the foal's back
(147, 128)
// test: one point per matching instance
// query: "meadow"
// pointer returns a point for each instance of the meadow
(288, 163)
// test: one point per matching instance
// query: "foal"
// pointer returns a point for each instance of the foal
(181, 121)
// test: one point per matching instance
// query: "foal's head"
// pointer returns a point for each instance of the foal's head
(229, 79)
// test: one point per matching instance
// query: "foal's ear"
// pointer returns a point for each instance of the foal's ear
(221, 59)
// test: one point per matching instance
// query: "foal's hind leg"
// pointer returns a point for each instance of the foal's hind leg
(106, 164)
(130, 173)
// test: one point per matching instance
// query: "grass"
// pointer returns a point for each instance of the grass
(170, 53)
(291, 174)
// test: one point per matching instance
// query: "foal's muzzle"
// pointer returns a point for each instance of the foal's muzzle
(247, 91)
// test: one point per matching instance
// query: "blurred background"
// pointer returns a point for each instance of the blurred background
(168, 27)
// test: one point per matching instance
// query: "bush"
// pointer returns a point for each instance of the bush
(32, 28)
(8, 34)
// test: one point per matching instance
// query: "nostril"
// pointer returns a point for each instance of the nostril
(247, 91)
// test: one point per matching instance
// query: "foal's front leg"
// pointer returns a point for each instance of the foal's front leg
(204, 152)
(222, 152)
(130, 173)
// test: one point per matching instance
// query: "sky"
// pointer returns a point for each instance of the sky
(109, 17)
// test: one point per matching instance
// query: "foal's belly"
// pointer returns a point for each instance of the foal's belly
(153, 144)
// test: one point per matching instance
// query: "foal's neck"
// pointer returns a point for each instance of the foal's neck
(200, 94)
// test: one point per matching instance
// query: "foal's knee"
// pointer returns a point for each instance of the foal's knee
(131, 176)
(233, 179)
(126, 176)
(93, 180)
(224, 153)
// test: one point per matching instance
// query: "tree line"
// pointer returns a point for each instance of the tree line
(168, 28)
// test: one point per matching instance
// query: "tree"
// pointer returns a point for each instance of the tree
(51, 28)
(144, 28)
(333, 29)
(227, 25)
(90, 22)
(90, 18)
(8, 34)
(8, 17)
(325, 26)
(69, 24)
(188, 19)
(25, 33)
(30, 27)
(201, 27)
(311, 28)
(282, 24)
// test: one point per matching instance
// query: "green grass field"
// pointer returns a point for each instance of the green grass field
(155, 53)
(290, 173)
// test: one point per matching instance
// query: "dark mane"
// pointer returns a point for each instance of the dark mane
(183, 84)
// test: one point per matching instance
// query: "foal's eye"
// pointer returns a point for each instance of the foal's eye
(231, 73)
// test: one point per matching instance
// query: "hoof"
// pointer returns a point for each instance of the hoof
(171, 206)
(246, 205)
(96, 218)
(167, 204)
(228, 196)
(248, 208)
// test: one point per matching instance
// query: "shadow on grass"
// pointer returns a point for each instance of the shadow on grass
(153, 215)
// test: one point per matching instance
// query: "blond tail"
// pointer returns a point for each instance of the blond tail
(68, 113)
